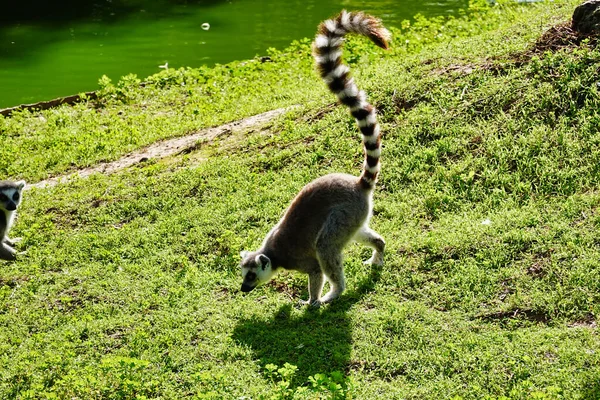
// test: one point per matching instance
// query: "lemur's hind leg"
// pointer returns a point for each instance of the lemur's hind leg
(337, 231)
(372, 239)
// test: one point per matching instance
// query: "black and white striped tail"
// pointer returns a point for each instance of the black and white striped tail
(328, 56)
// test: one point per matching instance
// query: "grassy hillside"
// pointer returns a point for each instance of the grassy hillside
(488, 201)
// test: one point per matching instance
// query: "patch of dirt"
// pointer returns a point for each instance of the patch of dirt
(561, 36)
(312, 117)
(459, 69)
(538, 268)
(402, 104)
(388, 373)
(588, 322)
(507, 288)
(361, 366)
(44, 105)
(221, 293)
(558, 37)
(73, 298)
(518, 314)
(283, 287)
(164, 148)
(13, 282)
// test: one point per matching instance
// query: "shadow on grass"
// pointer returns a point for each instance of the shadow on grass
(592, 391)
(317, 341)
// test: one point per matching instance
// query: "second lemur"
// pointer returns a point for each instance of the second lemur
(10, 197)
(335, 209)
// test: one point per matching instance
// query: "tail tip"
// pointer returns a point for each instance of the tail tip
(379, 34)
(382, 38)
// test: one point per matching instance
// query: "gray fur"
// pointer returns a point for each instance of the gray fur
(324, 217)
(10, 198)
(333, 210)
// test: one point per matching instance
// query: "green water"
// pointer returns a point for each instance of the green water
(52, 49)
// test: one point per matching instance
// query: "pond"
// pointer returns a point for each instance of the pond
(51, 49)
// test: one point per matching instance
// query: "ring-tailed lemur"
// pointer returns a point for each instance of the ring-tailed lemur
(10, 197)
(335, 209)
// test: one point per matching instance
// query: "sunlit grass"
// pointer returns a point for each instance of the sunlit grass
(488, 202)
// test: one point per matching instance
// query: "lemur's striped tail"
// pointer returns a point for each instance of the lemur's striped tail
(328, 56)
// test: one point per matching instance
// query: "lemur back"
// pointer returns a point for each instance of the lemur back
(335, 209)
(10, 198)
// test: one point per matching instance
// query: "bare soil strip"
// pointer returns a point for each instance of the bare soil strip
(44, 105)
(165, 148)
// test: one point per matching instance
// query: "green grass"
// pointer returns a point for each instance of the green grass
(488, 201)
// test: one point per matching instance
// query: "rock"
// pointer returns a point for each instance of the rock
(586, 17)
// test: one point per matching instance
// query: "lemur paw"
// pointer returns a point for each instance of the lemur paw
(12, 242)
(313, 303)
(376, 259)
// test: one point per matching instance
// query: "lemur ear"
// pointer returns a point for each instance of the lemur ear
(21, 185)
(244, 254)
(263, 261)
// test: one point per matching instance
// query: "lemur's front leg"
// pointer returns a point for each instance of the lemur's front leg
(7, 253)
(12, 242)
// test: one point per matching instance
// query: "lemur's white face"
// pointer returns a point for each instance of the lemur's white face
(10, 194)
(256, 270)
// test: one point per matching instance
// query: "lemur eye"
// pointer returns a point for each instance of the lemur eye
(16, 196)
(3, 197)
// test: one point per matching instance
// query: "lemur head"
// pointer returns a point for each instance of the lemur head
(256, 270)
(10, 194)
